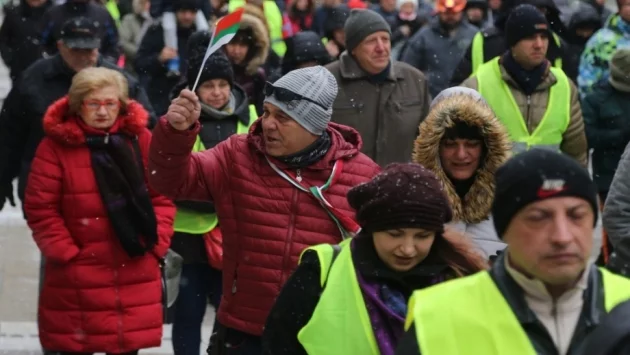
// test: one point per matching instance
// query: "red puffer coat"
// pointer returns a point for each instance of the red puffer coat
(95, 297)
(266, 221)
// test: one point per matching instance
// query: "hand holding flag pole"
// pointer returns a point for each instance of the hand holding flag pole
(223, 33)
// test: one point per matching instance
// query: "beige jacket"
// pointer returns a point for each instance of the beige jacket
(561, 316)
(533, 109)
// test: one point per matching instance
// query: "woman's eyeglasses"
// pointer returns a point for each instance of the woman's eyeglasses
(287, 96)
(94, 105)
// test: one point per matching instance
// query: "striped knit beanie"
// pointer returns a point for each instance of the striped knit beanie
(315, 83)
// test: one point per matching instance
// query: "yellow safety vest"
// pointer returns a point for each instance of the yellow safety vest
(274, 23)
(340, 324)
(548, 133)
(471, 316)
(112, 8)
(477, 52)
(193, 222)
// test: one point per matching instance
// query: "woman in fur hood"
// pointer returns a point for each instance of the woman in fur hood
(463, 143)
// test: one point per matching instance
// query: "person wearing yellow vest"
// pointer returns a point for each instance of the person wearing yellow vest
(491, 42)
(224, 111)
(274, 22)
(537, 103)
(351, 298)
(542, 296)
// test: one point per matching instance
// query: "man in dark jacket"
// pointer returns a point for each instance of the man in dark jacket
(305, 49)
(437, 49)
(20, 35)
(584, 22)
(384, 100)
(490, 43)
(39, 86)
(153, 55)
(545, 209)
(58, 15)
(607, 126)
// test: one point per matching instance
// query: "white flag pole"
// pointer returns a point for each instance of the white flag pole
(205, 58)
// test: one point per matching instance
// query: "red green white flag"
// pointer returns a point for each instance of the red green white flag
(224, 30)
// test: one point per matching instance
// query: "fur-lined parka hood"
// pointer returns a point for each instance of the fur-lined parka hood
(261, 42)
(463, 107)
(66, 129)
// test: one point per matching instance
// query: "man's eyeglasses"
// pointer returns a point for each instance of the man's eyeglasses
(286, 95)
(96, 104)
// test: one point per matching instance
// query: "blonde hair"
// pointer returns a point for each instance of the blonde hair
(90, 79)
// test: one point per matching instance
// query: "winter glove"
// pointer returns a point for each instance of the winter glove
(6, 193)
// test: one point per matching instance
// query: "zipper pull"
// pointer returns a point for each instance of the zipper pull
(106, 138)
(529, 100)
(299, 175)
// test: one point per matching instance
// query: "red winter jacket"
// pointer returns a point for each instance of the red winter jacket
(95, 297)
(266, 221)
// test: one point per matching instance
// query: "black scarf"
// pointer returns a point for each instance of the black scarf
(309, 155)
(381, 77)
(123, 191)
(527, 80)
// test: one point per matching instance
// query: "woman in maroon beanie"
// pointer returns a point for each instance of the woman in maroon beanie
(352, 298)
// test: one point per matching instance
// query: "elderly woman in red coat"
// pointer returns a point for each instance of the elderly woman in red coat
(100, 228)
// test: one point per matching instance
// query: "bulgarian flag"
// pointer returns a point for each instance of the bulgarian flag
(224, 30)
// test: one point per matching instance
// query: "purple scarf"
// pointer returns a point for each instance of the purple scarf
(387, 309)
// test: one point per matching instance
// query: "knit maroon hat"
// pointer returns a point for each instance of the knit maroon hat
(401, 196)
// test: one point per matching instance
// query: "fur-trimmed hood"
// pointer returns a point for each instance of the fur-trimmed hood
(463, 107)
(261, 42)
(67, 130)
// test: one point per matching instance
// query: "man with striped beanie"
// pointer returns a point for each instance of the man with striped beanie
(277, 190)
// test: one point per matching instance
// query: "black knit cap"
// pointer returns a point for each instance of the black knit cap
(217, 66)
(525, 21)
(192, 5)
(538, 175)
(401, 196)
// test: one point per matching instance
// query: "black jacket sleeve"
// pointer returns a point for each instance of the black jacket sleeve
(109, 45)
(6, 38)
(464, 69)
(14, 128)
(147, 59)
(138, 93)
(408, 345)
(294, 307)
(198, 206)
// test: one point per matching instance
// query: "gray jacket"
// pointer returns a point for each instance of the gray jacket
(432, 51)
(617, 216)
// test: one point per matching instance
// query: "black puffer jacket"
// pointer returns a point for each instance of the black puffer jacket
(58, 15)
(494, 38)
(21, 117)
(20, 36)
(302, 48)
(147, 64)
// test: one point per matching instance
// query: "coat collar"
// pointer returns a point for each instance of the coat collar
(476, 204)
(71, 131)
(548, 81)
(350, 69)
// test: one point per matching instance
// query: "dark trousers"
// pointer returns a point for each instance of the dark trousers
(199, 284)
(226, 341)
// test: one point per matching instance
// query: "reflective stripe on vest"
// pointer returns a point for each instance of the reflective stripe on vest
(477, 53)
(193, 222)
(548, 133)
(340, 324)
(473, 311)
